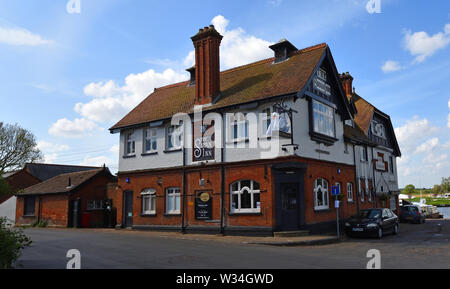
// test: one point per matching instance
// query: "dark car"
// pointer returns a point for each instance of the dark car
(372, 222)
(411, 214)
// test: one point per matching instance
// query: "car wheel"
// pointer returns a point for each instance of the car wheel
(396, 229)
(380, 233)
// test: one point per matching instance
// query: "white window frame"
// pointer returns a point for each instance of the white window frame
(324, 192)
(349, 192)
(239, 121)
(175, 134)
(148, 195)
(265, 122)
(130, 144)
(364, 154)
(240, 192)
(327, 126)
(151, 136)
(172, 195)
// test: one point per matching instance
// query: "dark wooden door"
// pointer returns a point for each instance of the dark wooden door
(290, 206)
(128, 208)
(74, 213)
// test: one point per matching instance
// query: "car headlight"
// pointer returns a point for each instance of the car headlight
(371, 225)
(347, 224)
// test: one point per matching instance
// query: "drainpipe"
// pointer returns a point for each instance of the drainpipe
(374, 184)
(222, 180)
(356, 181)
(183, 230)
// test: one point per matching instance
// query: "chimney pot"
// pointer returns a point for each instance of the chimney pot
(207, 65)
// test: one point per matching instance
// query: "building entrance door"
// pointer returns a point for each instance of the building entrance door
(128, 209)
(289, 206)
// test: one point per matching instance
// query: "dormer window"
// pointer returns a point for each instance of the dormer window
(323, 117)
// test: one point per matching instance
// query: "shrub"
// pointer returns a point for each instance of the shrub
(12, 241)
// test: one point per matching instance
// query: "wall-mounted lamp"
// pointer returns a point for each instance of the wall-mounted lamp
(160, 181)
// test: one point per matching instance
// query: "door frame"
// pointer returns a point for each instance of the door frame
(124, 209)
(289, 172)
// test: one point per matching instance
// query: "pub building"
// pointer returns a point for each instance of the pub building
(257, 150)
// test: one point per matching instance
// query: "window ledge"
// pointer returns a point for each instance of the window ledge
(172, 215)
(321, 138)
(239, 141)
(173, 151)
(29, 216)
(149, 154)
(245, 214)
(324, 210)
(148, 215)
(128, 156)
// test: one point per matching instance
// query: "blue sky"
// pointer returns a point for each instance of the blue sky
(69, 77)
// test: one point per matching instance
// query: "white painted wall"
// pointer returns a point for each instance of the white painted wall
(241, 152)
(8, 209)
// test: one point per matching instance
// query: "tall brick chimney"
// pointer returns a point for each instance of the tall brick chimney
(347, 84)
(207, 65)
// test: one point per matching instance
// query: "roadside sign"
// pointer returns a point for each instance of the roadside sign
(335, 190)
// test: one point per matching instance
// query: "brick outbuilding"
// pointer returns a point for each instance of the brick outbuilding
(68, 200)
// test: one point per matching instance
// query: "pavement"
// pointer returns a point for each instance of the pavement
(416, 246)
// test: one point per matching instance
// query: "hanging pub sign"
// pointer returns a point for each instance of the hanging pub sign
(203, 142)
(203, 206)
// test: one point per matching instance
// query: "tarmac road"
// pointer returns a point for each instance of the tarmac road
(416, 246)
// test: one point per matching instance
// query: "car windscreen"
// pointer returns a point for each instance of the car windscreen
(370, 214)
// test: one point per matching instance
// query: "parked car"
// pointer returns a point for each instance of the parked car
(372, 222)
(411, 214)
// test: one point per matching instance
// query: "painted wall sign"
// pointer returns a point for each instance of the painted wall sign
(380, 164)
(203, 142)
(203, 206)
(322, 86)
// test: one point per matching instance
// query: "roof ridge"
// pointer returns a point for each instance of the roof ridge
(248, 65)
(44, 164)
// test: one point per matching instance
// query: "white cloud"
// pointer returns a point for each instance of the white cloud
(115, 149)
(237, 47)
(390, 66)
(97, 161)
(21, 37)
(50, 158)
(112, 102)
(414, 131)
(421, 45)
(50, 147)
(448, 118)
(72, 129)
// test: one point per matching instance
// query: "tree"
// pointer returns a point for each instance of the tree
(409, 190)
(5, 189)
(437, 189)
(17, 147)
(445, 185)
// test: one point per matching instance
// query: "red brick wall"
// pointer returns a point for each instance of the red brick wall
(19, 181)
(233, 172)
(55, 208)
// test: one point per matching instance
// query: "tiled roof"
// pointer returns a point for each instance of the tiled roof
(356, 134)
(252, 82)
(365, 113)
(48, 171)
(60, 183)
